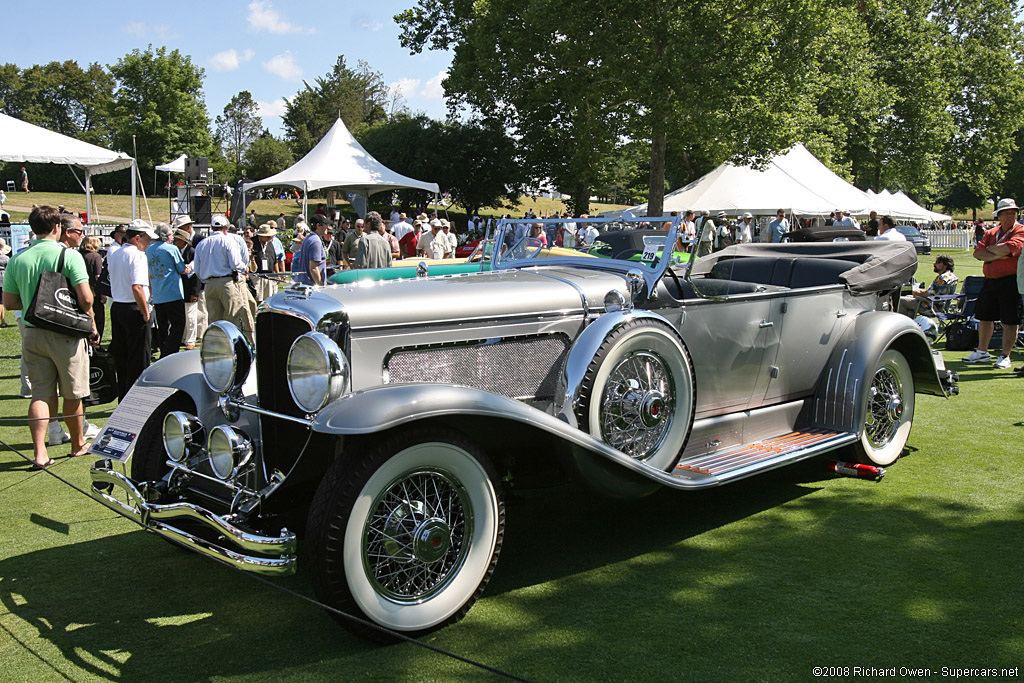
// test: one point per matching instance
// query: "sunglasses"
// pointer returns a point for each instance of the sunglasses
(74, 231)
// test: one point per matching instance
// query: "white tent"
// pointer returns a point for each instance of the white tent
(24, 142)
(794, 181)
(176, 166)
(338, 160)
(903, 200)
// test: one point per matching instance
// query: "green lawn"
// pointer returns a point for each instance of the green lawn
(761, 580)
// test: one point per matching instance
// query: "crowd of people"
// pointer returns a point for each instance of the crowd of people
(166, 282)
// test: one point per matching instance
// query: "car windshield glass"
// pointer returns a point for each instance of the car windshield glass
(633, 244)
(908, 230)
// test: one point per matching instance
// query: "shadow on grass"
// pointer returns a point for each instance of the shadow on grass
(762, 579)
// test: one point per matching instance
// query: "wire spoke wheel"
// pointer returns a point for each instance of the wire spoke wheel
(638, 404)
(885, 407)
(407, 533)
(888, 412)
(415, 537)
(638, 393)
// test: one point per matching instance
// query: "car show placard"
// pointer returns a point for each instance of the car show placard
(117, 438)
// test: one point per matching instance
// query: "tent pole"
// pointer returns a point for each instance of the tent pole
(135, 170)
(88, 196)
(305, 198)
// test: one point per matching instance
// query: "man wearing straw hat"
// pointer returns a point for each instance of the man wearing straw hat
(264, 253)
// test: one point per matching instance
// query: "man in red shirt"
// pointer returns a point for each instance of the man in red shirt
(999, 248)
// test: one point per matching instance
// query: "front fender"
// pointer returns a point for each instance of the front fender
(180, 370)
(385, 407)
(840, 399)
(582, 353)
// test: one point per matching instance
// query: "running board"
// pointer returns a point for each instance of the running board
(744, 460)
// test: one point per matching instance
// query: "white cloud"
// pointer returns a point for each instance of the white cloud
(263, 17)
(140, 29)
(284, 65)
(275, 108)
(373, 25)
(404, 87)
(135, 28)
(432, 89)
(229, 60)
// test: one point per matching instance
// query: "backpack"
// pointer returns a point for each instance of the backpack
(961, 337)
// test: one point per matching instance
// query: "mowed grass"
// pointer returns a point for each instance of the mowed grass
(119, 207)
(760, 580)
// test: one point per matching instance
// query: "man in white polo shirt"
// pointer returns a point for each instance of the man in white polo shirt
(130, 335)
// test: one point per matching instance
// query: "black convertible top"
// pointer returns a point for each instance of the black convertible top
(882, 264)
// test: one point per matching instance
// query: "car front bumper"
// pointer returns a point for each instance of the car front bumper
(271, 555)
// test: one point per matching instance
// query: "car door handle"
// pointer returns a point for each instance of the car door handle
(765, 323)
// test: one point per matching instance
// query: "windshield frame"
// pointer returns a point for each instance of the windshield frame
(651, 274)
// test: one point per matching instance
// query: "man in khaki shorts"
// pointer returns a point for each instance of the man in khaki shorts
(221, 262)
(51, 359)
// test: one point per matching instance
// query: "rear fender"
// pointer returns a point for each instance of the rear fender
(841, 396)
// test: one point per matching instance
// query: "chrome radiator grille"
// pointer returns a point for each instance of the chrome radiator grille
(521, 368)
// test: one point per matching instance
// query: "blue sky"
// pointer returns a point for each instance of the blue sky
(267, 47)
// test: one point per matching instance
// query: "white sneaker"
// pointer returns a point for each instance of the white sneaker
(57, 435)
(978, 356)
(91, 430)
(1003, 363)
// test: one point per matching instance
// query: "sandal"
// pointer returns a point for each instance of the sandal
(79, 455)
(37, 466)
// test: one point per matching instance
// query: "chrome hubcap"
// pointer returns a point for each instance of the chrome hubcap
(417, 535)
(885, 407)
(636, 409)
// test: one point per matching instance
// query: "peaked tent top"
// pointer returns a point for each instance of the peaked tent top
(794, 180)
(338, 160)
(25, 142)
(176, 166)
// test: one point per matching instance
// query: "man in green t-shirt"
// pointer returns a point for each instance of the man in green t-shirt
(51, 359)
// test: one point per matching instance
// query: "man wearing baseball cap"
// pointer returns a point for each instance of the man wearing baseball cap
(130, 336)
(999, 249)
(221, 262)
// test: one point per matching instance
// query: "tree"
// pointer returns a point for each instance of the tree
(158, 97)
(238, 127)
(359, 96)
(266, 156)
(983, 48)
(59, 96)
(473, 162)
(584, 75)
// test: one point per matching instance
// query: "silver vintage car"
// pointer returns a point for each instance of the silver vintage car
(384, 422)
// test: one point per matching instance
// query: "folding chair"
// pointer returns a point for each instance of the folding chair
(954, 308)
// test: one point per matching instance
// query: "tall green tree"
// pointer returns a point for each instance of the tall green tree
(60, 96)
(238, 127)
(573, 78)
(158, 98)
(266, 156)
(359, 96)
(473, 162)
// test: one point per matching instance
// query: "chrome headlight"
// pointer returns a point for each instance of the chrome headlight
(182, 434)
(318, 372)
(228, 449)
(226, 357)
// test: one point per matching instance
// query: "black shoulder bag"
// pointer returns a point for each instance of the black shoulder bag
(55, 306)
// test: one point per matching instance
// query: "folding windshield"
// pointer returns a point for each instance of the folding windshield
(648, 245)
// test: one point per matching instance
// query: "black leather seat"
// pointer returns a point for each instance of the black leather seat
(782, 272)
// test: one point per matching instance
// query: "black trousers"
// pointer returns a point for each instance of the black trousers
(129, 344)
(170, 326)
